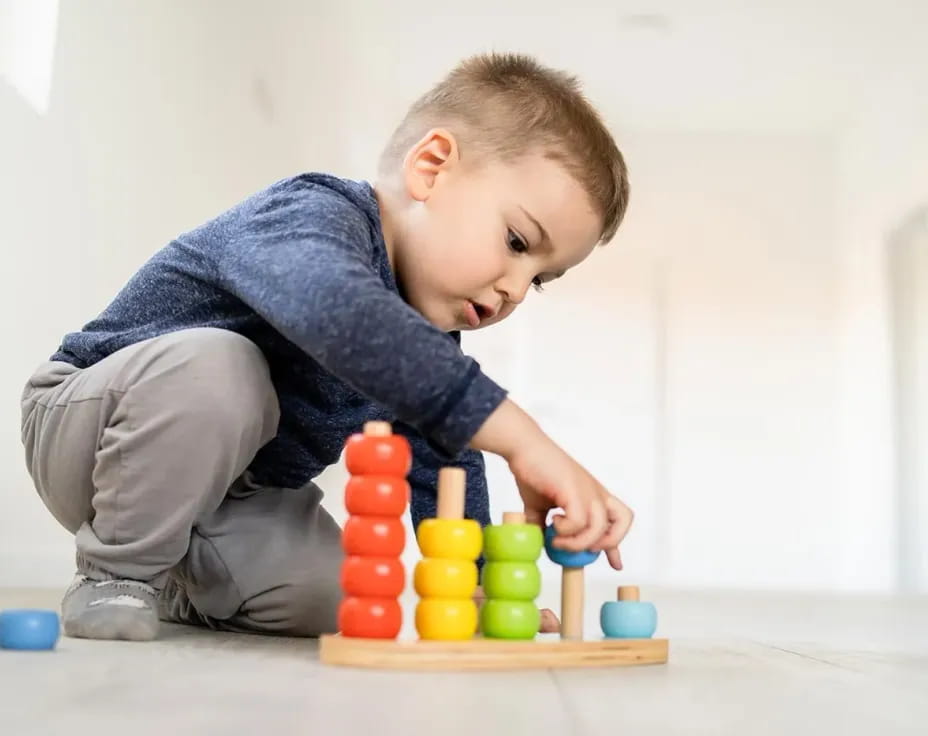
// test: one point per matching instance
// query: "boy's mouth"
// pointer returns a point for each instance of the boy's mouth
(476, 313)
(472, 313)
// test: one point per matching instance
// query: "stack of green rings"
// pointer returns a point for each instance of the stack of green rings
(511, 580)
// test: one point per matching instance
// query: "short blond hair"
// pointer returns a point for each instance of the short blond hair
(508, 105)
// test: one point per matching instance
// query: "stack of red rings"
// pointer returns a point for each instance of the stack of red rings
(376, 498)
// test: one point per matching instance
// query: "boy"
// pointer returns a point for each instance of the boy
(177, 435)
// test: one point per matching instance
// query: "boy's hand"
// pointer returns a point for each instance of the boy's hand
(549, 478)
(593, 518)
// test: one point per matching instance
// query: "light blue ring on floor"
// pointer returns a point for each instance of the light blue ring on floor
(29, 629)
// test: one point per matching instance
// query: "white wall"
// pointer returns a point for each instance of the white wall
(908, 285)
(722, 365)
(161, 115)
(749, 282)
(883, 166)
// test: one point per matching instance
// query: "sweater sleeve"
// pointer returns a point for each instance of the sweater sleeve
(423, 479)
(303, 260)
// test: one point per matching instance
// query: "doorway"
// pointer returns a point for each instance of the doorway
(908, 266)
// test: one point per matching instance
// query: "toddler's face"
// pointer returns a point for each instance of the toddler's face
(481, 237)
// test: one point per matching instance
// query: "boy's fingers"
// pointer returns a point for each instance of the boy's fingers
(614, 557)
(597, 525)
(571, 522)
(620, 520)
(535, 516)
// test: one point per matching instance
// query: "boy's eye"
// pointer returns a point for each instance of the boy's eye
(518, 245)
(515, 242)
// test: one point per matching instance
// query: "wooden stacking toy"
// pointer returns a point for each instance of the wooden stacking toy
(446, 577)
(628, 617)
(572, 584)
(370, 616)
(511, 580)
(374, 537)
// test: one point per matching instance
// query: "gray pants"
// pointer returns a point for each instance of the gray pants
(144, 457)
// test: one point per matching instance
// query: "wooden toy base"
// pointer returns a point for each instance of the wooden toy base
(489, 654)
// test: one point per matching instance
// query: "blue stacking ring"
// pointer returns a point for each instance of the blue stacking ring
(30, 629)
(628, 619)
(563, 557)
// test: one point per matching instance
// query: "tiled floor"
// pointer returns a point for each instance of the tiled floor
(740, 664)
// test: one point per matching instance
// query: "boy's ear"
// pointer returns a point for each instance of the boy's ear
(436, 152)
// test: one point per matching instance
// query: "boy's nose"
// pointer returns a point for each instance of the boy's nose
(513, 292)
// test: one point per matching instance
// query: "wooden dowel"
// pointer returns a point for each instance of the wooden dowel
(572, 603)
(451, 487)
(377, 429)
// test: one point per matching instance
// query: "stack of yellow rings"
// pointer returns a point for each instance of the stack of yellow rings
(446, 577)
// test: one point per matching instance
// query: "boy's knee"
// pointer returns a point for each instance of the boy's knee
(222, 376)
(219, 358)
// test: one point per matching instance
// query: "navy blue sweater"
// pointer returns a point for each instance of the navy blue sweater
(301, 269)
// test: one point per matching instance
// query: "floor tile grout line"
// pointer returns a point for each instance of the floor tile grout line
(807, 656)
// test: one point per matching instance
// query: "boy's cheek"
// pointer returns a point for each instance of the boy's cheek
(503, 313)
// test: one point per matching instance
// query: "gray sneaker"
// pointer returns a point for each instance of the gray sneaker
(110, 609)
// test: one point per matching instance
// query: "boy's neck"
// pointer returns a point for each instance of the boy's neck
(387, 207)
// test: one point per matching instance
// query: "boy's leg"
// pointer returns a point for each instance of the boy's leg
(129, 452)
(268, 560)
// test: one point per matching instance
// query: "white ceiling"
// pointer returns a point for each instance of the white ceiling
(749, 66)
(753, 66)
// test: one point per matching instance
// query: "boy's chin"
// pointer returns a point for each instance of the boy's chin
(445, 321)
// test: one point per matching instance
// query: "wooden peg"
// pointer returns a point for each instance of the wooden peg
(377, 429)
(451, 488)
(572, 583)
(628, 593)
(572, 564)
(513, 517)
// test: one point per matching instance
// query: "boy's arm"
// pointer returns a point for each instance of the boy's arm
(302, 257)
(304, 261)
